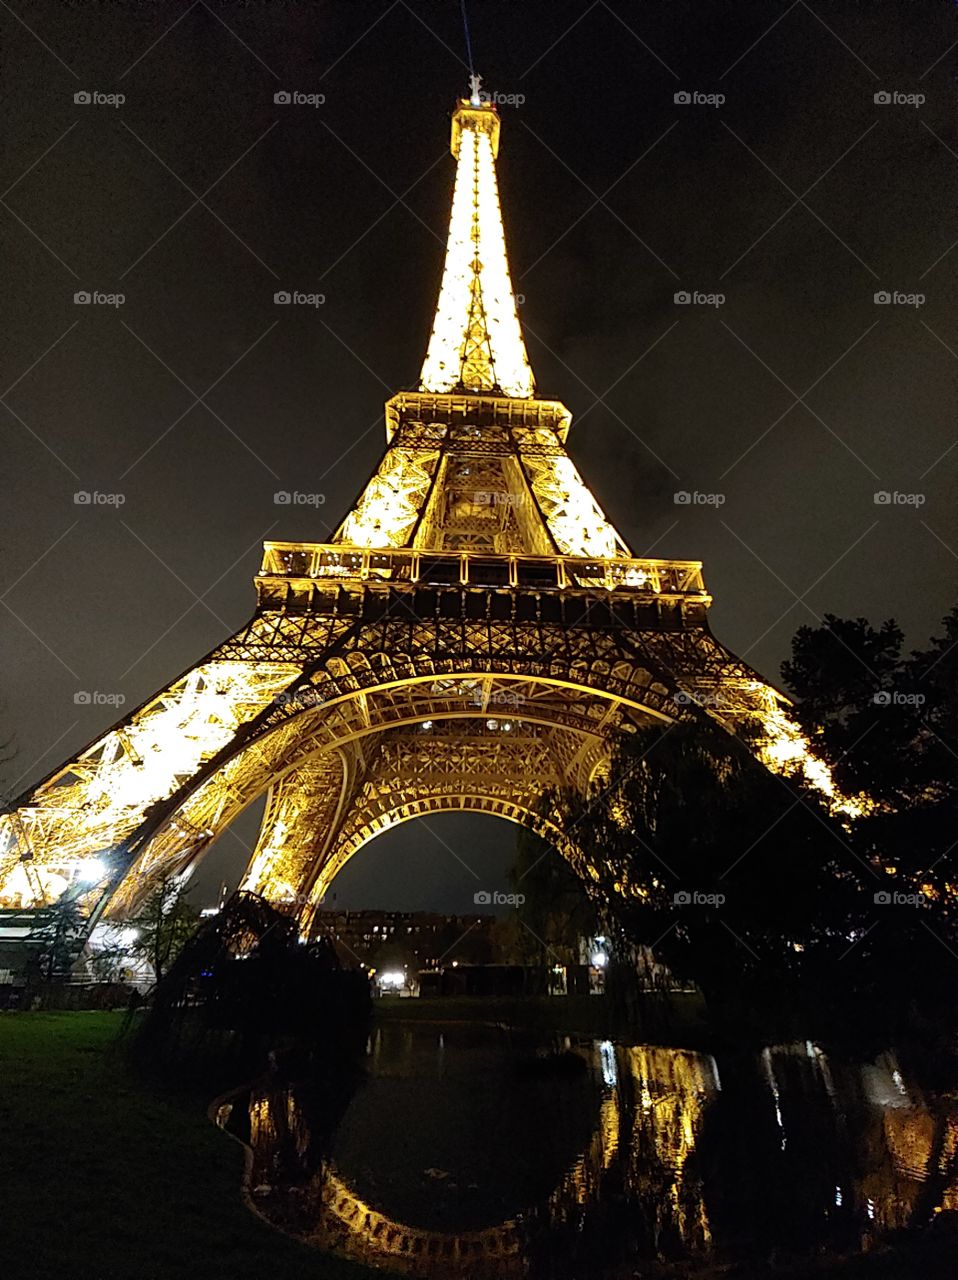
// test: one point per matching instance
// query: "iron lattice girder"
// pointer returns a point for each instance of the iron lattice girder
(308, 575)
(434, 443)
(490, 766)
(370, 641)
(305, 725)
(398, 682)
(618, 648)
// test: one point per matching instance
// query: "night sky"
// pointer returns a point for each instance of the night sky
(798, 398)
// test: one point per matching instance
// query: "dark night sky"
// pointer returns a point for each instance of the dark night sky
(798, 198)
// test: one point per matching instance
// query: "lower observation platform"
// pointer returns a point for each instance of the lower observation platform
(291, 566)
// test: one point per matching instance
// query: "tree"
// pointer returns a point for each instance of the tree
(738, 879)
(107, 963)
(556, 910)
(935, 673)
(164, 924)
(56, 940)
(887, 723)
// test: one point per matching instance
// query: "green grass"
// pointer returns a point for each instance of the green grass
(104, 1178)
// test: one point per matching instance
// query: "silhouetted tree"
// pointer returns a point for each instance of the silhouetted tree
(738, 879)
(882, 720)
(556, 910)
(243, 987)
(887, 723)
(164, 924)
(56, 941)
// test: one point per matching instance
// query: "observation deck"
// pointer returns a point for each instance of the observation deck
(320, 577)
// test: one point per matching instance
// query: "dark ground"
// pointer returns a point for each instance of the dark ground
(104, 1178)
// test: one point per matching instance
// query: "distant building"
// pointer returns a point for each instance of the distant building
(422, 939)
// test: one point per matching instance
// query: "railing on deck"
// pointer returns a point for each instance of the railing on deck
(312, 561)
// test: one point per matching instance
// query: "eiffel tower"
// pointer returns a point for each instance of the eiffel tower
(475, 634)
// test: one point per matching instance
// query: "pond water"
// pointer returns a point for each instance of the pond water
(463, 1151)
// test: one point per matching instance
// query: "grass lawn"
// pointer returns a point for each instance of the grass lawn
(103, 1179)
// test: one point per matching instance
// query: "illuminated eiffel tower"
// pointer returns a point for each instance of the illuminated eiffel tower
(476, 633)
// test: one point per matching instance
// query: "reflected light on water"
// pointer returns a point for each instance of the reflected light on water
(667, 1171)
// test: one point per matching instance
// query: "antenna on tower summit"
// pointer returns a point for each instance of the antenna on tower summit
(474, 80)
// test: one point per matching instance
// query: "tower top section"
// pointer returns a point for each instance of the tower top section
(476, 343)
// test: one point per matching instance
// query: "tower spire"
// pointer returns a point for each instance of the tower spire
(476, 342)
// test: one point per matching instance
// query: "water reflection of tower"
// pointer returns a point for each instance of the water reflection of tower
(668, 1092)
(641, 1156)
(909, 1170)
(790, 1150)
(836, 1152)
(645, 1133)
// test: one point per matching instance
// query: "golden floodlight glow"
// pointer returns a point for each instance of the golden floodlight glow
(574, 517)
(99, 799)
(390, 504)
(476, 342)
(785, 748)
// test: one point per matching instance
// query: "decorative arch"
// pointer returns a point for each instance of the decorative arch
(308, 750)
